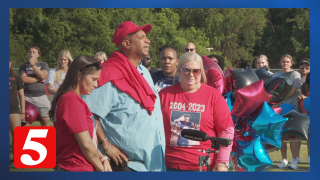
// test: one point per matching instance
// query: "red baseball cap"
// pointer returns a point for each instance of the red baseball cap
(126, 28)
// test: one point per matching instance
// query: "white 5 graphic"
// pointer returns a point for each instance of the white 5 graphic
(34, 133)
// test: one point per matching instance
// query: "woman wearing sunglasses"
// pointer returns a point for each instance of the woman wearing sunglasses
(207, 111)
(77, 147)
(286, 62)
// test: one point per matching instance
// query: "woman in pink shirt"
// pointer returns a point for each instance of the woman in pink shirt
(191, 104)
(77, 147)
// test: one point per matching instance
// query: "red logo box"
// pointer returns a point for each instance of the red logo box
(35, 147)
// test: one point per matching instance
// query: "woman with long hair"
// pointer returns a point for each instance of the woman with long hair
(286, 62)
(57, 75)
(261, 61)
(77, 147)
(16, 114)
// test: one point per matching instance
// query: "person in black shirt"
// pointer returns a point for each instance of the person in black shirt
(15, 85)
(168, 62)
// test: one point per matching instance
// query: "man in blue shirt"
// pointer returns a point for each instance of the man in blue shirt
(127, 107)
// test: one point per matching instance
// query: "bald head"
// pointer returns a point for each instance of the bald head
(190, 47)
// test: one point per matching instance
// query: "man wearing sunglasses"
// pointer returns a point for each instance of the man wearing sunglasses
(190, 47)
(168, 62)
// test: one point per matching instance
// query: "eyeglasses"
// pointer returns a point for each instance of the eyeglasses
(187, 71)
(187, 50)
(307, 67)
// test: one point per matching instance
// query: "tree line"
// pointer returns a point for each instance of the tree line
(237, 34)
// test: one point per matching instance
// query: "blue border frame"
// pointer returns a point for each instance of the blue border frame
(314, 6)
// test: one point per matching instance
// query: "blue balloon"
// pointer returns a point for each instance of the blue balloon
(306, 104)
(267, 124)
(286, 107)
(252, 156)
(229, 99)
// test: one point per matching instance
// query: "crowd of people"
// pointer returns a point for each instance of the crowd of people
(118, 113)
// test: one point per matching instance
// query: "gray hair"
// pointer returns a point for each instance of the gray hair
(102, 54)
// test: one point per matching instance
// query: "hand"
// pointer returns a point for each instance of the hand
(220, 167)
(106, 165)
(117, 155)
(301, 96)
(22, 116)
(32, 60)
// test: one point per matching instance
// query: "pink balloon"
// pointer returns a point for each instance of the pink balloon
(215, 77)
(227, 79)
(32, 113)
(277, 109)
(249, 99)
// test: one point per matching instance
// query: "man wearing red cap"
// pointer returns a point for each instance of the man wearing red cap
(127, 105)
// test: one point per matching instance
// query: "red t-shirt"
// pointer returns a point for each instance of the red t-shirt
(206, 109)
(73, 116)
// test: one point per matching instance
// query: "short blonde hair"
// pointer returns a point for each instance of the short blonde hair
(190, 56)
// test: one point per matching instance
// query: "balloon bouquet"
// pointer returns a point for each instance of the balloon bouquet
(260, 124)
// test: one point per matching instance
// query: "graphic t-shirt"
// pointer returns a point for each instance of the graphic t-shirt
(73, 116)
(161, 81)
(15, 84)
(204, 110)
(35, 89)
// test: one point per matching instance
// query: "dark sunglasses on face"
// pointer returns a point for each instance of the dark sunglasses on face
(307, 67)
(187, 50)
(187, 71)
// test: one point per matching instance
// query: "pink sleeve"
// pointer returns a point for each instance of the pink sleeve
(224, 152)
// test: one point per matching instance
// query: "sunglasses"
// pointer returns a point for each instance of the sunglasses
(187, 50)
(187, 71)
(307, 67)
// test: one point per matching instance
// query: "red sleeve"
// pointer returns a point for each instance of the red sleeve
(222, 116)
(73, 112)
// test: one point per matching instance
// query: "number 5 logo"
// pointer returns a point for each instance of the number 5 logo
(35, 147)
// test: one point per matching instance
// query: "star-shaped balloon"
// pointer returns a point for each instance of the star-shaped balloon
(297, 127)
(268, 124)
(277, 109)
(214, 73)
(252, 156)
(262, 73)
(279, 87)
(227, 78)
(229, 99)
(249, 99)
(243, 78)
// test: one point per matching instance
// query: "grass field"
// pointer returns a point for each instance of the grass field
(275, 157)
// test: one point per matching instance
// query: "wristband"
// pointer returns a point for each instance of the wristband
(103, 140)
(32, 65)
(22, 113)
(108, 147)
(104, 158)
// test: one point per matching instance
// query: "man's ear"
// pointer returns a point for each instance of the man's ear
(126, 44)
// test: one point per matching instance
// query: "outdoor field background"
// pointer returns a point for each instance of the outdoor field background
(275, 157)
